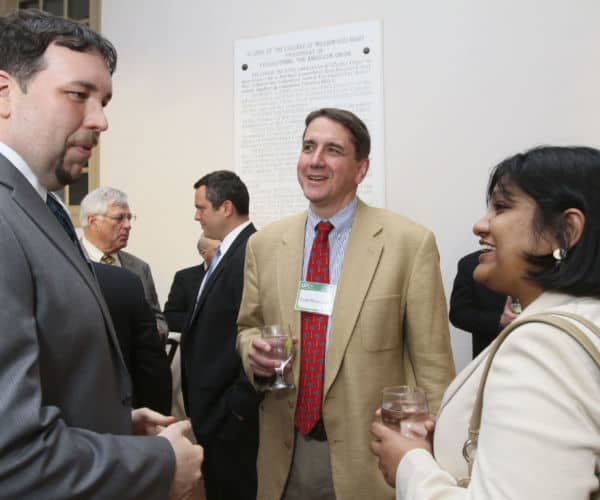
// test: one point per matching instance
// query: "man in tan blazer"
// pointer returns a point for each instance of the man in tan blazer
(388, 324)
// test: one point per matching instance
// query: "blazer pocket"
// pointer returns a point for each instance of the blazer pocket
(380, 323)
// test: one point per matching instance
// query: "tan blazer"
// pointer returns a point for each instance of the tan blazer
(389, 326)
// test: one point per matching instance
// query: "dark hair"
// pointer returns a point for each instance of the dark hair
(26, 34)
(558, 178)
(224, 185)
(358, 130)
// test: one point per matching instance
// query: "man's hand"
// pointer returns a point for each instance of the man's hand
(188, 461)
(507, 314)
(147, 422)
(260, 363)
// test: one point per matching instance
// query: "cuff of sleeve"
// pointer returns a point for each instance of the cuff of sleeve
(414, 467)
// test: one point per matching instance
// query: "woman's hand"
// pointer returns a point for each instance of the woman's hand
(390, 446)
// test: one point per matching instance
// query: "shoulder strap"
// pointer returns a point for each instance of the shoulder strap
(554, 318)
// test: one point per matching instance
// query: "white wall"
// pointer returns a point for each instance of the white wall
(466, 83)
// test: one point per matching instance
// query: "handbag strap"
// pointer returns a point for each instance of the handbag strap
(554, 318)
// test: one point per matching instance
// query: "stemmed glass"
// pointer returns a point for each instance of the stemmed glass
(404, 409)
(281, 342)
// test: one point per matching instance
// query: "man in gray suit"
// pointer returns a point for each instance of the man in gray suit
(64, 389)
(106, 221)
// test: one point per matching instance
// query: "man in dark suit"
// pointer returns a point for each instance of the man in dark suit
(475, 308)
(178, 307)
(220, 400)
(135, 325)
(186, 284)
(64, 389)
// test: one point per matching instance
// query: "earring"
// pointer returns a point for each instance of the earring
(515, 306)
(559, 254)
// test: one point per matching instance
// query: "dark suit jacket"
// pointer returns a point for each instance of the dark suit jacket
(142, 269)
(214, 384)
(474, 307)
(182, 296)
(141, 346)
(64, 389)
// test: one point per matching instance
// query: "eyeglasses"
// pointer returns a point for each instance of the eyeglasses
(119, 219)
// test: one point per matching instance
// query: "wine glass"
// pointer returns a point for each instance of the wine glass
(281, 342)
(404, 409)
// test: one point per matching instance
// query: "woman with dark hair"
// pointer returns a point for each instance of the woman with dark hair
(539, 433)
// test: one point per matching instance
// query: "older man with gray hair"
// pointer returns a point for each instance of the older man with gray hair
(106, 222)
(186, 284)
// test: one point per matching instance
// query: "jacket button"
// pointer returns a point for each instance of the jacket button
(127, 400)
(288, 445)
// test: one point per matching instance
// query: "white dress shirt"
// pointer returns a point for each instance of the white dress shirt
(95, 254)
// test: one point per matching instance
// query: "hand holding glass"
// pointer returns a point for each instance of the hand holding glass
(280, 340)
(405, 410)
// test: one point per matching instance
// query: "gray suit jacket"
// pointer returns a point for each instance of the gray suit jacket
(142, 269)
(64, 389)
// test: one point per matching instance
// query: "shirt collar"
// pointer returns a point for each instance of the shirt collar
(94, 253)
(341, 221)
(230, 238)
(21, 165)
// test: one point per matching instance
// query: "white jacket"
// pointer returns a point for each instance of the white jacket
(540, 427)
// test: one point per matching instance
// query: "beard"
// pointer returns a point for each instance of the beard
(68, 171)
(63, 175)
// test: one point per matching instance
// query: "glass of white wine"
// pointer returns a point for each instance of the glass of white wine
(280, 340)
(404, 409)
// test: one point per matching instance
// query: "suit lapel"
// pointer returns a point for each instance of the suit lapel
(194, 282)
(36, 210)
(462, 378)
(126, 262)
(361, 258)
(34, 207)
(289, 273)
(222, 264)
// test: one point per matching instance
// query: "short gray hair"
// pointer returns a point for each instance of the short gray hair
(97, 202)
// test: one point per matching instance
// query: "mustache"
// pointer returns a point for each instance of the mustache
(85, 139)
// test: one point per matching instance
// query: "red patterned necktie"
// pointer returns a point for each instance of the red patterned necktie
(314, 331)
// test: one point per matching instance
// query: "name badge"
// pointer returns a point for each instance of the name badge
(315, 297)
